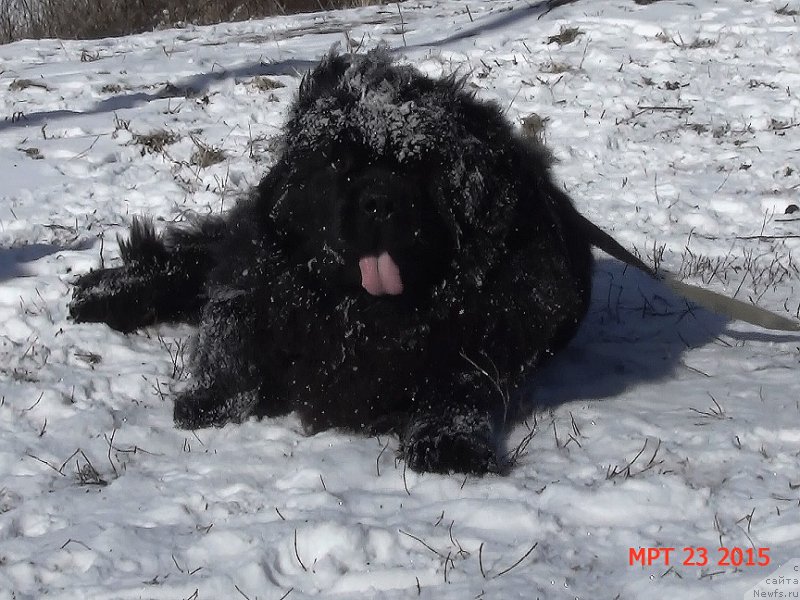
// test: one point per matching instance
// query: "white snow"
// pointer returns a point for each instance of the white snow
(676, 126)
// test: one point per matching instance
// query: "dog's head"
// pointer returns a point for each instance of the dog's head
(393, 181)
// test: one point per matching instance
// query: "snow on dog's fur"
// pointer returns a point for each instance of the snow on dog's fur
(406, 262)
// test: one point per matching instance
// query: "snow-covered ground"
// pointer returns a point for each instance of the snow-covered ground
(677, 129)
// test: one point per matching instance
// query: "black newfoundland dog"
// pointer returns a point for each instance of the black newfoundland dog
(404, 265)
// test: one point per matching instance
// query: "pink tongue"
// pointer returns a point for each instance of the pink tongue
(380, 275)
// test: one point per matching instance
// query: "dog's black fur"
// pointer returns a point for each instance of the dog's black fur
(377, 158)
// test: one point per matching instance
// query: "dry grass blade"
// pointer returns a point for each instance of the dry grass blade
(423, 542)
(516, 564)
(297, 553)
(613, 472)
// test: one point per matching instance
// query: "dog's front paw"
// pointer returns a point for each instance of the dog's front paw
(443, 444)
(95, 296)
(199, 407)
(112, 296)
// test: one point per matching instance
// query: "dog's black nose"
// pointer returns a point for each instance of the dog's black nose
(376, 206)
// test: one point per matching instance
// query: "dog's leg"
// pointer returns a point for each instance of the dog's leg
(162, 279)
(528, 310)
(451, 439)
(457, 419)
(199, 407)
(235, 375)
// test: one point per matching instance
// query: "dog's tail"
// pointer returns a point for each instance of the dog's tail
(718, 303)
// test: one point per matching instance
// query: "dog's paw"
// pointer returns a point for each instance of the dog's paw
(94, 295)
(446, 445)
(198, 408)
(112, 296)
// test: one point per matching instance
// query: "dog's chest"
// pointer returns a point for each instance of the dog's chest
(352, 333)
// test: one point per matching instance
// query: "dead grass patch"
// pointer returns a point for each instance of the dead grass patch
(533, 126)
(265, 84)
(786, 11)
(205, 155)
(23, 84)
(111, 88)
(32, 152)
(696, 43)
(567, 35)
(92, 19)
(155, 141)
(555, 67)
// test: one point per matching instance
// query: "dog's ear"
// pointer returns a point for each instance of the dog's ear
(476, 181)
(322, 81)
(271, 190)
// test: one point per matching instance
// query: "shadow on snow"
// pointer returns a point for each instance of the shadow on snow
(636, 331)
(199, 84)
